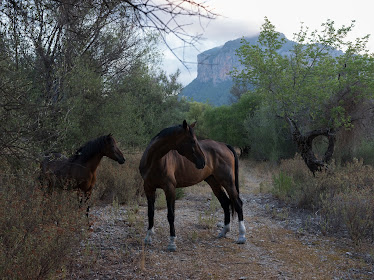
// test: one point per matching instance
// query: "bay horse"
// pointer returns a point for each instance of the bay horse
(79, 171)
(174, 159)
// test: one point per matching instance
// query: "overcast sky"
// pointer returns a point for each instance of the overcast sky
(244, 18)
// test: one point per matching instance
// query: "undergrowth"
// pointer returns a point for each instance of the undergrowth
(38, 231)
(119, 182)
(343, 195)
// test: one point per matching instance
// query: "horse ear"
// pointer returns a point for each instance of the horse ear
(192, 125)
(185, 125)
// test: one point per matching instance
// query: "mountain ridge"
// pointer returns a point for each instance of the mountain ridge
(213, 82)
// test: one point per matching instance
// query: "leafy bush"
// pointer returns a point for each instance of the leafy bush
(366, 152)
(37, 230)
(282, 186)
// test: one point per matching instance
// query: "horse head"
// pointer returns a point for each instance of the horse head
(189, 147)
(112, 151)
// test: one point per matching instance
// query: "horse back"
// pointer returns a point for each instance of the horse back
(53, 163)
(53, 168)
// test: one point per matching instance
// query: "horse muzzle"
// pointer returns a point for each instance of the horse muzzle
(200, 164)
(121, 160)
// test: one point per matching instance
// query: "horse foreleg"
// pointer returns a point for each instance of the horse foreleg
(151, 197)
(87, 196)
(170, 199)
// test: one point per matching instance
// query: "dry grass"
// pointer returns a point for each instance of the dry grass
(343, 195)
(37, 230)
(119, 182)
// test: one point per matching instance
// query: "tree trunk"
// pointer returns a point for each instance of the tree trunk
(305, 146)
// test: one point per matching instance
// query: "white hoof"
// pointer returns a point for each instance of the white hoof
(225, 229)
(148, 237)
(241, 239)
(171, 246)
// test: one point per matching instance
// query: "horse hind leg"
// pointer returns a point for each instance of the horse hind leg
(238, 207)
(225, 204)
(242, 231)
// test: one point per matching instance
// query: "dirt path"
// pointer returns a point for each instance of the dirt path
(281, 244)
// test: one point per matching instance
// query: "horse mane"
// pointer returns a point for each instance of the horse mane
(165, 132)
(144, 162)
(89, 149)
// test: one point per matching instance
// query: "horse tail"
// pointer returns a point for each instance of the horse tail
(236, 167)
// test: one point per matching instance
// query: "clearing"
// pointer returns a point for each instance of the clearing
(282, 243)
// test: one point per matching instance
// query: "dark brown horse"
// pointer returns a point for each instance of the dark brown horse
(79, 171)
(175, 159)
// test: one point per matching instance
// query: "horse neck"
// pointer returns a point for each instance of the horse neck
(92, 162)
(158, 148)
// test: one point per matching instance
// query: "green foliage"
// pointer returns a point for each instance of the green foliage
(142, 104)
(268, 136)
(282, 186)
(314, 83)
(179, 193)
(365, 151)
(121, 183)
(226, 123)
(196, 112)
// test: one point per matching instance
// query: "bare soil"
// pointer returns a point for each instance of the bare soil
(282, 243)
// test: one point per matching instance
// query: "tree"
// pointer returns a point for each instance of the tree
(226, 123)
(319, 85)
(60, 55)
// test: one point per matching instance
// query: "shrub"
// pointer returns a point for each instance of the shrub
(282, 186)
(295, 183)
(120, 182)
(344, 195)
(366, 152)
(37, 230)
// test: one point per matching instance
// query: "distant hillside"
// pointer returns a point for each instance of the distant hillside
(213, 82)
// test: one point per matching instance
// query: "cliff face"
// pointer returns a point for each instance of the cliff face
(213, 82)
(215, 65)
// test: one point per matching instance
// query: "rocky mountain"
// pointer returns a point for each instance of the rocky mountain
(213, 82)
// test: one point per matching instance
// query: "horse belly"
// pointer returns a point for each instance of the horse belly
(186, 178)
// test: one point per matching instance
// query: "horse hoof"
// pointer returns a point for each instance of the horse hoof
(221, 235)
(147, 241)
(241, 240)
(172, 248)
